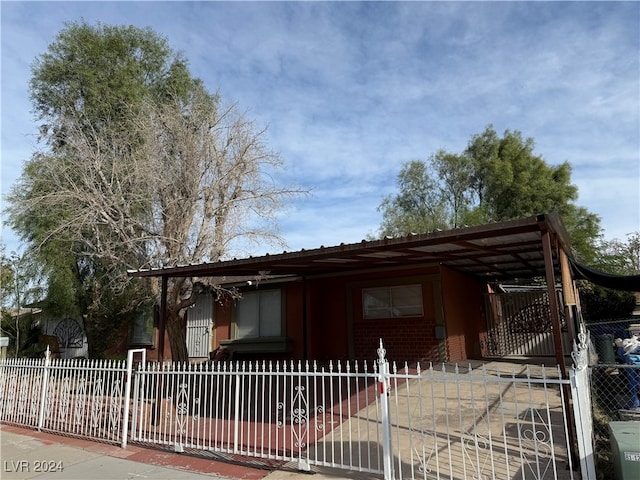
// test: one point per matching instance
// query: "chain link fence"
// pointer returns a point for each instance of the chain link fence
(615, 385)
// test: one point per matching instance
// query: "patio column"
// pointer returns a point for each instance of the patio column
(557, 338)
(553, 301)
(162, 320)
(569, 295)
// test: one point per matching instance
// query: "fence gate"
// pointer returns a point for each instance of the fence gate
(408, 422)
(452, 422)
(519, 324)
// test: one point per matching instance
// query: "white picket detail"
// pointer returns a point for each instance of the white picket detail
(453, 422)
(21, 385)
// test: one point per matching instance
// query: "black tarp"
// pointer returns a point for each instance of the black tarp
(629, 283)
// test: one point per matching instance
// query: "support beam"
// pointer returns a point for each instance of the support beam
(162, 321)
(569, 295)
(553, 301)
(557, 335)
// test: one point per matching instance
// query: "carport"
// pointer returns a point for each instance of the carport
(535, 247)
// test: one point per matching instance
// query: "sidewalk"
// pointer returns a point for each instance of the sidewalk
(29, 454)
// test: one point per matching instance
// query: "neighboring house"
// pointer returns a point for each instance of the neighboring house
(70, 336)
(424, 295)
(65, 337)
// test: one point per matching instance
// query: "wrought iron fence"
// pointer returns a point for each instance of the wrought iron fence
(78, 397)
(519, 325)
(408, 422)
(477, 423)
(293, 411)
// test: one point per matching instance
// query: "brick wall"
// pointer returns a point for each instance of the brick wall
(404, 339)
(464, 314)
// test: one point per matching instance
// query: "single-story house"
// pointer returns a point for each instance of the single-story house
(65, 337)
(436, 296)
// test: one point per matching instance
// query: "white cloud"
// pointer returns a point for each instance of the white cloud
(352, 90)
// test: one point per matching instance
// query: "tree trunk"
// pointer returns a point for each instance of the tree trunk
(177, 330)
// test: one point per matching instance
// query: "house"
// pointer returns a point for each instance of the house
(65, 336)
(431, 297)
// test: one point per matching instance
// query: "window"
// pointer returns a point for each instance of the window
(142, 330)
(392, 302)
(259, 314)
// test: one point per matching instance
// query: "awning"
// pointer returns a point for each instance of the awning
(496, 252)
(628, 283)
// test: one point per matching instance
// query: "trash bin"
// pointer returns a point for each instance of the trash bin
(625, 449)
(604, 348)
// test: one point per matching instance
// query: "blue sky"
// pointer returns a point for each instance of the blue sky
(350, 91)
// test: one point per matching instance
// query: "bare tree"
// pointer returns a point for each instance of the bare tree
(191, 180)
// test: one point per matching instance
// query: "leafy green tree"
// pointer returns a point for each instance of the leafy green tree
(584, 231)
(144, 168)
(417, 207)
(600, 303)
(621, 257)
(494, 179)
(89, 85)
(103, 73)
(455, 174)
(6, 276)
(20, 291)
(510, 181)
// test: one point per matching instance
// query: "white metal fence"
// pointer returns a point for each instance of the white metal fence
(78, 397)
(293, 411)
(410, 422)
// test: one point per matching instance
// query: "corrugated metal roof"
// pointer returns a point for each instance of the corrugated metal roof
(497, 252)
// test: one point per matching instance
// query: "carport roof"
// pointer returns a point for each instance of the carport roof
(496, 252)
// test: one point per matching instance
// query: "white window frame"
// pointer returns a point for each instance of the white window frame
(391, 301)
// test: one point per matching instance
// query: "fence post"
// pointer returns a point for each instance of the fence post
(580, 394)
(45, 386)
(383, 383)
(127, 392)
(236, 416)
